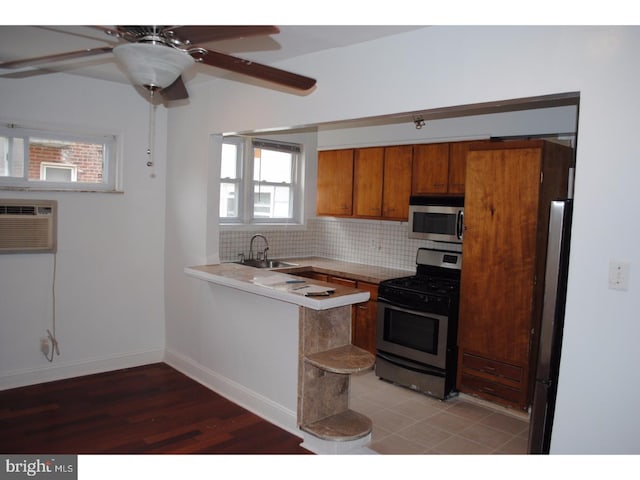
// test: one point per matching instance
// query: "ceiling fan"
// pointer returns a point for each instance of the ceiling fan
(155, 57)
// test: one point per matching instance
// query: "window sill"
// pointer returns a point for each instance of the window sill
(57, 189)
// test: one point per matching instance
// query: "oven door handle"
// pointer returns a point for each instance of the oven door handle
(438, 372)
(401, 307)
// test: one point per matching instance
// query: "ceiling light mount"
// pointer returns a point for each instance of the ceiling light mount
(419, 122)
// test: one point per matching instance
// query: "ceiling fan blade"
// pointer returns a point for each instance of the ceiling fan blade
(32, 62)
(254, 69)
(176, 91)
(202, 34)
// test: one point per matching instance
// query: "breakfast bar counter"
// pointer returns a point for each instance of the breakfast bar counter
(279, 285)
(254, 306)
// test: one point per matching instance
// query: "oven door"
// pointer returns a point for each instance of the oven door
(413, 335)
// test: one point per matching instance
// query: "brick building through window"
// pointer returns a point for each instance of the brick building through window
(82, 162)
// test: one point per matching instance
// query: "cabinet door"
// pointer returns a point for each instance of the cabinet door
(314, 275)
(501, 205)
(458, 164)
(430, 168)
(397, 182)
(347, 282)
(367, 186)
(335, 182)
(363, 332)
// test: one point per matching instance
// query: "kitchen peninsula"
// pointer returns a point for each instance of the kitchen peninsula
(248, 279)
(286, 356)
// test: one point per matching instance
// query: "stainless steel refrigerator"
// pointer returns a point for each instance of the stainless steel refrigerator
(555, 289)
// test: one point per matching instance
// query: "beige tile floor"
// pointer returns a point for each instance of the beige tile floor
(408, 422)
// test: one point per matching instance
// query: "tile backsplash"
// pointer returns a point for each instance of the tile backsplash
(371, 242)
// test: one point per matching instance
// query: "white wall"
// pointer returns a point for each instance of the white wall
(110, 261)
(543, 121)
(599, 383)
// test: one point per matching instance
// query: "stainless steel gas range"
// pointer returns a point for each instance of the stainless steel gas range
(417, 325)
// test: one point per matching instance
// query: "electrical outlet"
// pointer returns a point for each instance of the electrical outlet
(618, 275)
(44, 346)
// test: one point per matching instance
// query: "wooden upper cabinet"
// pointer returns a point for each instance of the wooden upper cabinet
(397, 182)
(458, 164)
(335, 182)
(367, 182)
(430, 168)
(376, 182)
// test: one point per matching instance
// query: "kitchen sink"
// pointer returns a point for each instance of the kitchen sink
(267, 263)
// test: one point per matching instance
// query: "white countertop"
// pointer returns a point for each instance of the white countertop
(251, 280)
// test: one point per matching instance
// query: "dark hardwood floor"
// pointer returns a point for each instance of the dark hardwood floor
(145, 410)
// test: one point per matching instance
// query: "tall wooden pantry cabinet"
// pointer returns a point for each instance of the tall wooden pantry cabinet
(509, 187)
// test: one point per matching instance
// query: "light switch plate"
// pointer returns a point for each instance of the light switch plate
(618, 275)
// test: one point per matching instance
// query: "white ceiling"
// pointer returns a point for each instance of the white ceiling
(22, 42)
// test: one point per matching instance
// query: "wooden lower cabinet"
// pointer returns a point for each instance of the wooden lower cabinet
(323, 277)
(363, 315)
(345, 282)
(491, 390)
(363, 326)
(492, 380)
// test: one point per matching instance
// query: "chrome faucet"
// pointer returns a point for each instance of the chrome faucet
(264, 252)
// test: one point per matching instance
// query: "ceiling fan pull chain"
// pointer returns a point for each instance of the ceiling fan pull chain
(152, 131)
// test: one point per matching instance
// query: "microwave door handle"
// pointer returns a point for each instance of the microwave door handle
(460, 224)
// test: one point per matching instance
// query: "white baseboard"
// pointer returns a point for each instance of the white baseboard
(237, 393)
(61, 371)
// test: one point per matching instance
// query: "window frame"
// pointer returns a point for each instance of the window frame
(110, 181)
(246, 183)
(237, 181)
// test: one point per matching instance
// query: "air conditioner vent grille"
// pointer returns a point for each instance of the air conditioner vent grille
(28, 226)
(17, 210)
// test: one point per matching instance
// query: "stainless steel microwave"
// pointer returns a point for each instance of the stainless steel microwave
(437, 218)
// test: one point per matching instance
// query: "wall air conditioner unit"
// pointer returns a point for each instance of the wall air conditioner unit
(28, 226)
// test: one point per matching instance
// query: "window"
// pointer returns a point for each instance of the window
(40, 160)
(259, 181)
(56, 172)
(230, 177)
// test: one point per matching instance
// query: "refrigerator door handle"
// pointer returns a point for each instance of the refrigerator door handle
(545, 381)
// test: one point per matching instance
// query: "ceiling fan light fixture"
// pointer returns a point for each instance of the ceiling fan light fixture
(152, 65)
